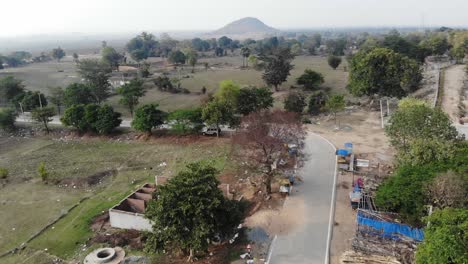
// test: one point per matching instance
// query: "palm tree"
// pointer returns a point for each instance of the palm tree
(245, 52)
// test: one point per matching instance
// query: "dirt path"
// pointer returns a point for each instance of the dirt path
(453, 84)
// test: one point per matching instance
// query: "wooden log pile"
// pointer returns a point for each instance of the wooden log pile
(402, 250)
(360, 258)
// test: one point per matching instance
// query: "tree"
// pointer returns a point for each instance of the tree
(10, 87)
(191, 211)
(296, 49)
(148, 117)
(310, 79)
(58, 54)
(57, 97)
(131, 92)
(445, 238)
(264, 135)
(76, 57)
(7, 119)
(224, 42)
(295, 102)
(142, 46)
(186, 120)
(92, 117)
(245, 52)
(335, 104)
(336, 46)
(107, 120)
(177, 57)
(74, 116)
(111, 57)
(277, 66)
(192, 58)
(384, 72)
(447, 190)
(77, 93)
(1, 63)
(96, 75)
(254, 99)
(436, 44)
(403, 192)
(228, 93)
(43, 115)
(334, 61)
(31, 100)
(420, 124)
(316, 102)
(217, 112)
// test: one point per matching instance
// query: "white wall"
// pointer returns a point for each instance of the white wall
(126, 220)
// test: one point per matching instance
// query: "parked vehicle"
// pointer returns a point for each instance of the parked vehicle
(210, 131)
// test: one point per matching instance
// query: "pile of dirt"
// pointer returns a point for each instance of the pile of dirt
(127, 238)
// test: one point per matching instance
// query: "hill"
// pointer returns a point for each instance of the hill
(248, 25)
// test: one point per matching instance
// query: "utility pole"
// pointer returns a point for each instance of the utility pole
(40, 100)
(381, 113)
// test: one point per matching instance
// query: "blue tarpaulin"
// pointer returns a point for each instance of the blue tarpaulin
(342, 152)
(390, 229)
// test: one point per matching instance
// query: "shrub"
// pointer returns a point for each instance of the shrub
(42, 172)
(3, 173)
(295, 102)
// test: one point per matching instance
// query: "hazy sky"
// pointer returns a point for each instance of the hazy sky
(21, 17)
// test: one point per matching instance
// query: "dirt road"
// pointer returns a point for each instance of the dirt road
(453, 84)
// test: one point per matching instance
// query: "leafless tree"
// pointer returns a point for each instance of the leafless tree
(447, 190)
(264, 137)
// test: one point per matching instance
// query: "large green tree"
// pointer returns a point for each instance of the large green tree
(185, 120)
(142, 46)
(96, 118)
(421, 134)
(384, 72)
(148, 117)
(310, 79)
(253, 99)
(445, 238)
(131, 93)
(177, 57)
(96, 75)
(191, 211)
(10, 87)
(111, 57)
(277, 66)
(77, 93)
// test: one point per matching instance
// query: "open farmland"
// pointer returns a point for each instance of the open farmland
(39, 76)
(31, 204)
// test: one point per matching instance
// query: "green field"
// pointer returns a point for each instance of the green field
(39, 76)
(27, 204)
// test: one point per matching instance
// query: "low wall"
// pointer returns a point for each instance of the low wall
(127, 220)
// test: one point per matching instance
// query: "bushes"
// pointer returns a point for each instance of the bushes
(446, 238)
(295, 102)
(95, 118)
(43, 173)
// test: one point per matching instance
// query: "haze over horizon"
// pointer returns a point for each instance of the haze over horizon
(30, 17)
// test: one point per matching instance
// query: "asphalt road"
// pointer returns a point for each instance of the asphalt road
(307, 243)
